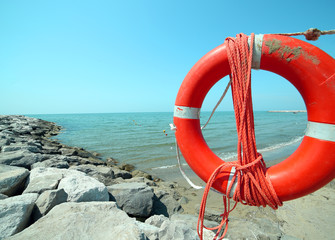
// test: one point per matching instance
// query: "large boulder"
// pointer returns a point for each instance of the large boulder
(177, 231)
(9, 157)
(82, 188)
(156, 220)
(178, 227)
(20, 158)
(150, 231)
(46, 201)
(21, 146)
(78, 186)
(15, 213)
(55, 162)
(42, 179)
(134, 198)
(12, 179)
(89, 220)
(103, 174)
(166, 203)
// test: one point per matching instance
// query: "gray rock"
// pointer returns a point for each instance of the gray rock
(85, 154)
(134, 198)
(86, 221)
(22, 147)
(9, 157)
(35, 142)
(3, 196)
(72, 160)
(7, 133)
(49, 148)
(46, 201)
(156, 220)
(15, 213)
(110, 162)
(20, 129)
(42, 183)
(52, 162)
(25, 126)
(28, 160)
(20, 158)
(68, 151)
(184, 220)
(121, 173)
(12, 179)
(165, 203)
(82, 188)
(139, 173)
(150, 231)
(127, 167)
(141, 179)
(41, 179)
(177, 231)
(4, 142)
(101, 173)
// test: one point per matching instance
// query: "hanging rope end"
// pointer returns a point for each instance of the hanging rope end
(172, 127)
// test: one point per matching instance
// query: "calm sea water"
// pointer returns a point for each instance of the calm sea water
(139, 138)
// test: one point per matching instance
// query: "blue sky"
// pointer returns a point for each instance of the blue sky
(131, 56)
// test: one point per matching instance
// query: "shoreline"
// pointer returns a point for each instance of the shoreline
(26, 144)
(173, 174)
(145, 144)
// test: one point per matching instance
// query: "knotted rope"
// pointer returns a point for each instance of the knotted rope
(253, 187)
(310, 34)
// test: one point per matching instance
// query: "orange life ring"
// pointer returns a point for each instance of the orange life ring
(310, 70)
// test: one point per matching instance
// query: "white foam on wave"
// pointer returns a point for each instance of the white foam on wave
(231, 156)
(281, 145)
(168, 166)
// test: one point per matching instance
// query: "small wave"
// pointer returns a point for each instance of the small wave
(231, 156)
(168, 166)
(281, 145)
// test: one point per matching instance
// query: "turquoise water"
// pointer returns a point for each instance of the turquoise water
(139, 138)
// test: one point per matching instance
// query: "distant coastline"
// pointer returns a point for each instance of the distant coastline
(287, 111)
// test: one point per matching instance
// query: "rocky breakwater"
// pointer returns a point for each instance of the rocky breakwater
(52, 191)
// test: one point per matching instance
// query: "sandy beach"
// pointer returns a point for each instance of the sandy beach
(309, 217)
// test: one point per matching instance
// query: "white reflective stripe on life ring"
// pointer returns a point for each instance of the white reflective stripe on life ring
(322, 131)
(233, 188)
(186, 112)
(257, 51)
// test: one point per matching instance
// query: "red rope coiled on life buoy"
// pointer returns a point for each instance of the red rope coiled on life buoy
(253, 187)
